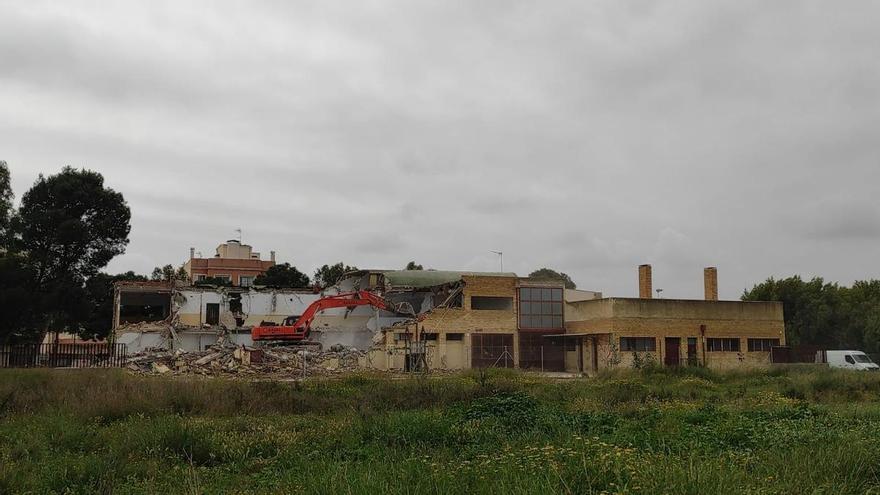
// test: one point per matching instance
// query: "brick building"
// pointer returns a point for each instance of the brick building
(457, 320)
(236, 262)
(719, 334)
(507, 321)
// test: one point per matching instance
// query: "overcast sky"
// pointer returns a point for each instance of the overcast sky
(587, 136)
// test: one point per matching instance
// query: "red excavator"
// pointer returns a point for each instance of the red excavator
(298, 331)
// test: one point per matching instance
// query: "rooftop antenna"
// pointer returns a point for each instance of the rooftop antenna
(500, 258)
(239, 234)
(658, 291)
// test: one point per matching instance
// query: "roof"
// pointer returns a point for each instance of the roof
(144, 284)
(430, 278)
(582, 334)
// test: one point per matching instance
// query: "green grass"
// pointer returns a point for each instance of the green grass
(692, 431)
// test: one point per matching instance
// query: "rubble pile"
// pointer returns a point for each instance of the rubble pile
(228, 359)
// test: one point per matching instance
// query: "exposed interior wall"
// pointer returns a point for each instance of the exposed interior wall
(141, 306)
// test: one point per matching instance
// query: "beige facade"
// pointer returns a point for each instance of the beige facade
(717, 334)
(465, 320)
(450, 333)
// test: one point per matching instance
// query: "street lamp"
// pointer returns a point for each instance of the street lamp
(500, 258)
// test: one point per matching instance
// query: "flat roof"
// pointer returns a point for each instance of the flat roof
(576, 334)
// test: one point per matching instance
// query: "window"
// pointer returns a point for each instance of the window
(638, 344)
(861, 358)
(492, 303)
(540, 308)
(762, 345)
(722, 345)
(402, 337)
(201, 277)
(454, 337)
(227, 278)
(849, 359)
(212, 313)
(245, 281)
(429, 336)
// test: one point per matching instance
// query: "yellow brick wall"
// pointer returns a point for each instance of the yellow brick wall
(657, 318)
(457, 354)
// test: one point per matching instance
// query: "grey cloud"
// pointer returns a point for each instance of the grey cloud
(589, 136)
(841, 221)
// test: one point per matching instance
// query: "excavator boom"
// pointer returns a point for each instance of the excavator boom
(299, 330)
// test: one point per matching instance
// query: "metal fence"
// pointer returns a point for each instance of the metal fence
(80, 355)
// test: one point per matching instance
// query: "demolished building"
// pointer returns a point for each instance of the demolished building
(450, 320)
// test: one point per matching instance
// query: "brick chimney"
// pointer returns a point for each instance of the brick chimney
(192, 253)
(272, 256)
(710, 283)
(646, 288)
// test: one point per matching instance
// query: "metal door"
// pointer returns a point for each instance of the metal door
(673, 351)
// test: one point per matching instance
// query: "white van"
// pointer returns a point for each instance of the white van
(851, 360)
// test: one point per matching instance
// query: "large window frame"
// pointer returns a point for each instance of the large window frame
(541, 308)
(723, 344)
(762, 345)
(638, 344)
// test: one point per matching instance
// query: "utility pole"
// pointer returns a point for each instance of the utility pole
(500, 258)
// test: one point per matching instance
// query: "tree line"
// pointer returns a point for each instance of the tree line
(825, 314)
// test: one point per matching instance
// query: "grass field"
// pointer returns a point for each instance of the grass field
(689, 431)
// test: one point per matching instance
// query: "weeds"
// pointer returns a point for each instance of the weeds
(636, 431)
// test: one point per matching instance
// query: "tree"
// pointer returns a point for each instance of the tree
(328, 275)
(168, 273)
(219, 281)
(72, 225)
(413, 266)
(5, 207)
(19, 309)
(283, 275)
(814, 312)
(549, 274)
(7, 214)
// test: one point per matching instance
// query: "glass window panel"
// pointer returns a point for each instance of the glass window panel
(546, 294)
(546, 322)
(525, 293)
(525, 307)
(557, 308)
(546, 308)
(557, 294)
(557, 322)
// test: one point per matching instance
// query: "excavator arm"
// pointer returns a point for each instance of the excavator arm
(299, 330)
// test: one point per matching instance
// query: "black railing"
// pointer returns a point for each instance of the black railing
(79, 355)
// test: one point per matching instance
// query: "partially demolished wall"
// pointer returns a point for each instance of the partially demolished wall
(203, 318)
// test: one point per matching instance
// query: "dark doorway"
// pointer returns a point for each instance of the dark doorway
(212, 313)
(492, 350)
(673, 351)
(538, 352)
(692, 351)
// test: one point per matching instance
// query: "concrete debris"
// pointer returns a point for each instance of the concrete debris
(225, 359)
